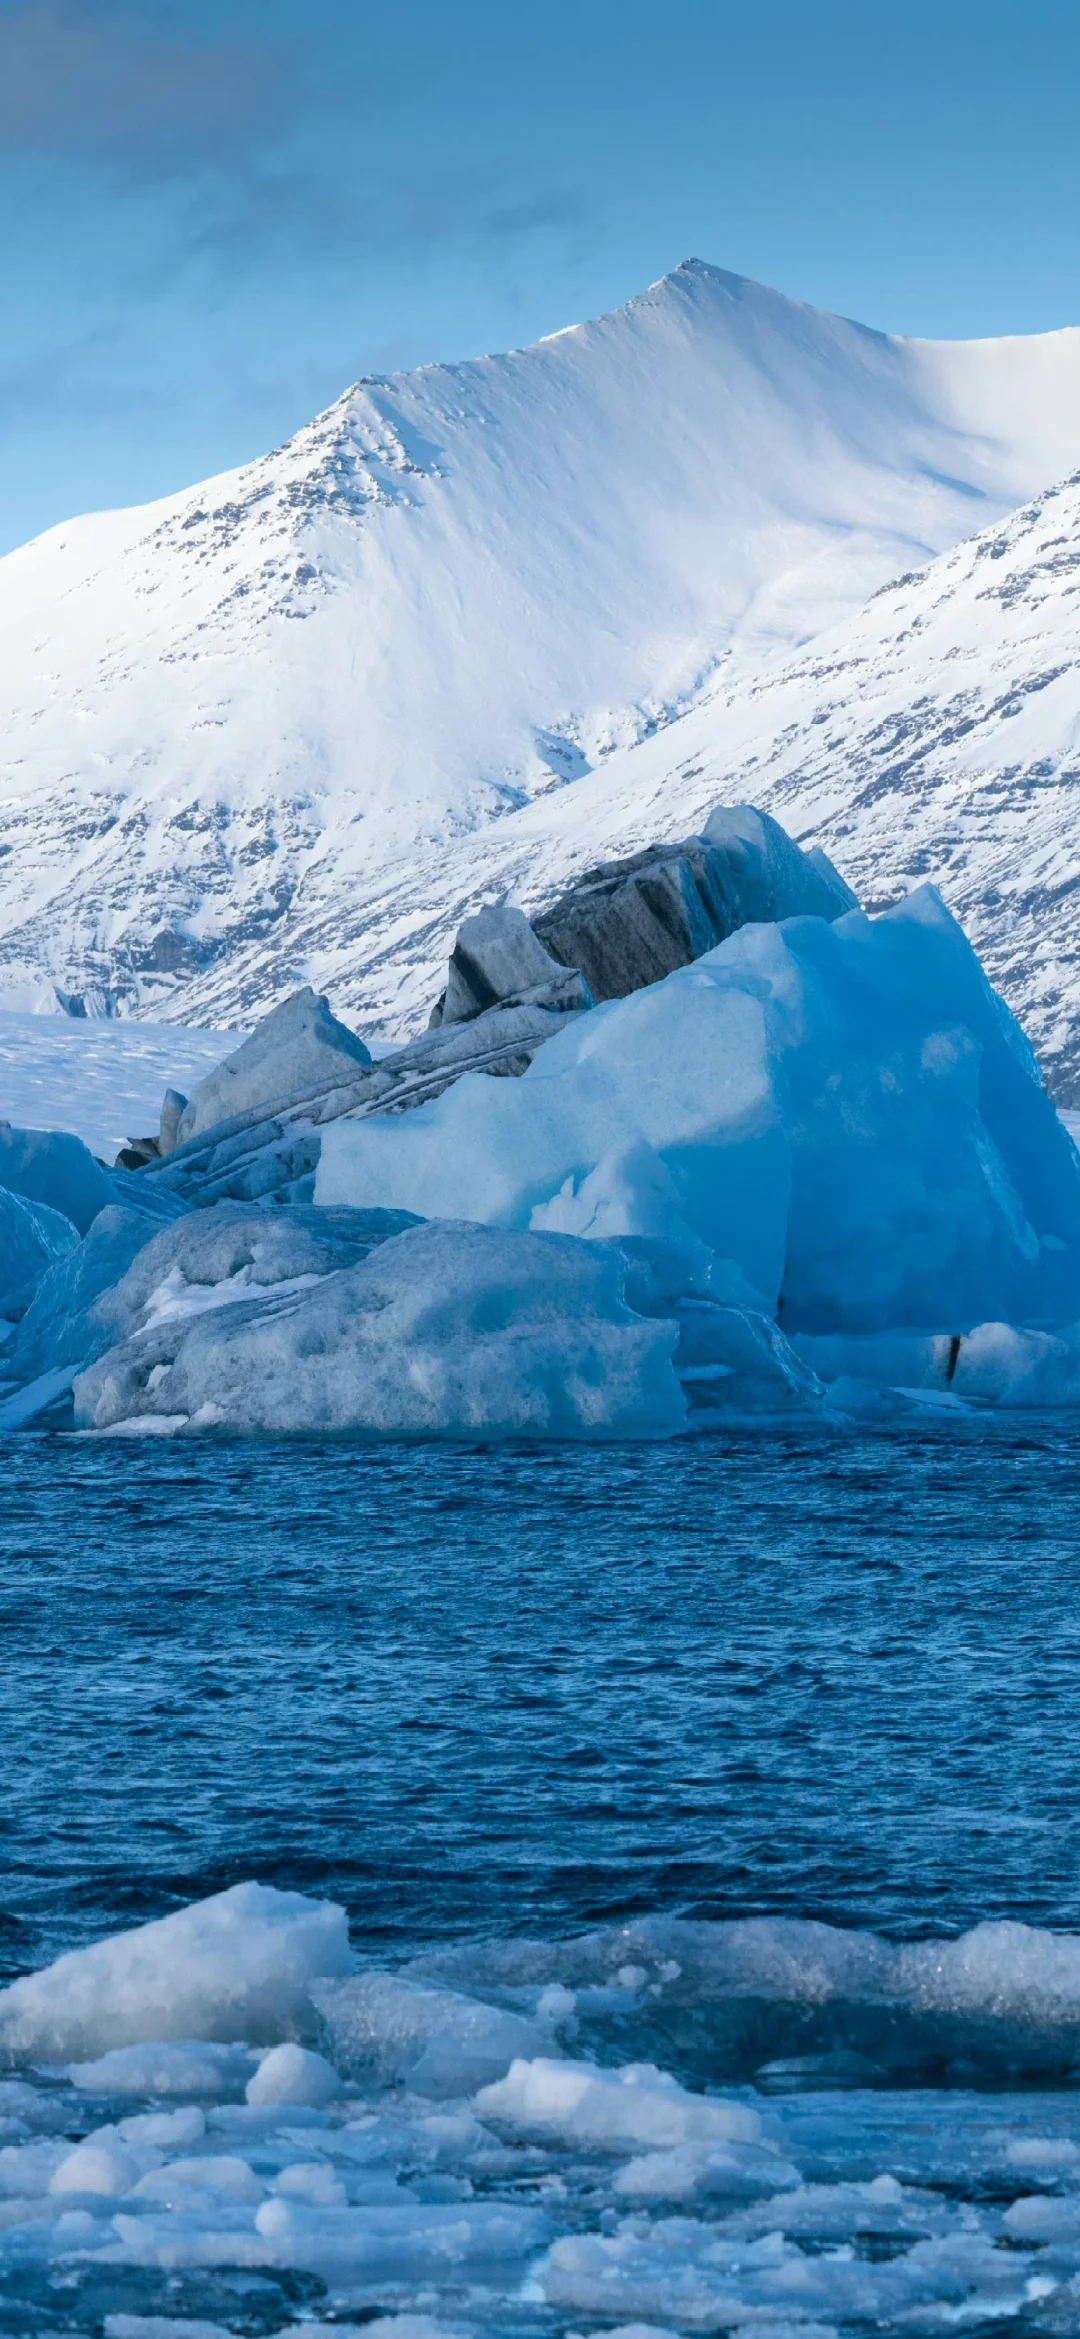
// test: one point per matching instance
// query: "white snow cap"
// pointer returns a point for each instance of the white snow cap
(540, 555)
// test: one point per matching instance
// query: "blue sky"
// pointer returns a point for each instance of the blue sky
(219, 212)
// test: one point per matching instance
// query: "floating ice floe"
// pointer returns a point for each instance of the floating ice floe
(240, 1965)
(508, 2132)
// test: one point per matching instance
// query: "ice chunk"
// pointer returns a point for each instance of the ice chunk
(497, 961)
(386, 2027)
(289, 2074)
(96, 2168)
(88, 1303)
(314, 2181)
(166, 2067)
(222, 2172)
(445, 1331)
(163, 2327)
(629, 923)
(241, 1962)
(31, 1237)
(729, 2172)
(296, 1048)
(60, 1327)
(1041, 2217)
(48, 1166)
(170, 2130)
(771, 875)
(612, 2111)
(410, 2242)
(216, 1258)
(846, 1111)
(173, 1106)
(992, 1364)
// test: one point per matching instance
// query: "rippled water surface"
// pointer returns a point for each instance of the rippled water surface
(478, 1696)
(469, 1691)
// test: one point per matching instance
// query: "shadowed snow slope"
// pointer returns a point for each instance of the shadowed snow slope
(242, 726)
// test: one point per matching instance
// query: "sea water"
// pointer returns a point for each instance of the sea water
(746, 1766)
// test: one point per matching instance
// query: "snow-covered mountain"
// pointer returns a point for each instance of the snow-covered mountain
(283, 725)
(935, 734)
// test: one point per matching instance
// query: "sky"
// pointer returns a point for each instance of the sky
(218, 213)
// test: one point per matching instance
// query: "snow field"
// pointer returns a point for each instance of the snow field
(579, 2181)
(101, 1078)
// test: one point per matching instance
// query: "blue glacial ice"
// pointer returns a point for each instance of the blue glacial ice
(814, 1173)
(847, 1113)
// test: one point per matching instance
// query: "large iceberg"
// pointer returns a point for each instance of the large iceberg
(813, 1172)
(442, 1331)
(846, 1113)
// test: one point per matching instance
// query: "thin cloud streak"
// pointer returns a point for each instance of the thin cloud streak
(104, 83)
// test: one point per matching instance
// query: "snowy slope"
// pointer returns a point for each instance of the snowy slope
(245, 730)
(102, 1080)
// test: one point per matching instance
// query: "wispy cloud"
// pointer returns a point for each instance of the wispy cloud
(110, 81)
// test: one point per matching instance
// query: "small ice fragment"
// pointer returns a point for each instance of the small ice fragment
(96, 2168)
(555, 2003)
(169, 2130)
(216, 2173)
(1041, 2152)
(293, 2075)
(612, 2110)
(163, 2327)
(314, 2181)
(174, 2067)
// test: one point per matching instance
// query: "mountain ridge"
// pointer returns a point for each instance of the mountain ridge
(238, 725)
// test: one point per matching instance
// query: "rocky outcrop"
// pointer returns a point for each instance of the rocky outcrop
(630, 923)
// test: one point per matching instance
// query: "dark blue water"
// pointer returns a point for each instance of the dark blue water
(471, 1692)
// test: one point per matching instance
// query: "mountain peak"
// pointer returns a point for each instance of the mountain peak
(229, 719)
